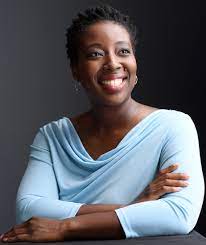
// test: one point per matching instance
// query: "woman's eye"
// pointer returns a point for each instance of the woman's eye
(124, 51)
(94, 54)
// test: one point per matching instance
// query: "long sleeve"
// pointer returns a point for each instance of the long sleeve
(173, 213)
(38, 191)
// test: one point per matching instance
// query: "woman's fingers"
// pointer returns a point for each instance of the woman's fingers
(167, 186)
(171, 179)
(23, 225)
(179, 176)
(158, 191)
(172, 176)
(161, 187)
(165, 182)
(17, 238)
(167, 189)
(175, 183)
(169, 169)
(167, 173)
(15, 231)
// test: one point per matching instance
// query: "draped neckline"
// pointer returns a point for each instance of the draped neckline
(127, 135)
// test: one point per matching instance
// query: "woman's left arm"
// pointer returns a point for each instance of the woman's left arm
(174, 213)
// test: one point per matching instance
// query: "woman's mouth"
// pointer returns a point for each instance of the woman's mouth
(113, 86)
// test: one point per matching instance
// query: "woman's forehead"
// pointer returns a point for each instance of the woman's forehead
(105, 32)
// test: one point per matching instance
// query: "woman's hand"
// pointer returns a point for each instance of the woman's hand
(165, 182)
(36, 230)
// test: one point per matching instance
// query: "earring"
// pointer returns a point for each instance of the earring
(136, 80)
(77, 86)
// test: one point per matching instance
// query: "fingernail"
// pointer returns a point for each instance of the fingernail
(5, 239)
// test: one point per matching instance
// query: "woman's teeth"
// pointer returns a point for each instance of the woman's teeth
(113, 86)
(115, 82)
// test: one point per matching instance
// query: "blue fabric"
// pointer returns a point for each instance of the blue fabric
(61, 176)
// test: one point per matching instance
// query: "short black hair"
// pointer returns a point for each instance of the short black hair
(93, 15)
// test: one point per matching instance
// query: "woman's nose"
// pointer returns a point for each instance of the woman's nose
(111, 63)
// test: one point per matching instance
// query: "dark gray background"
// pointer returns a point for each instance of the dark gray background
(36, 85)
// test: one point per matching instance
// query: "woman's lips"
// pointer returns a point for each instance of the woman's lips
(112, 77)
(113, 85)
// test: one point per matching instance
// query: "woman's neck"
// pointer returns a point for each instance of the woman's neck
(110, 119)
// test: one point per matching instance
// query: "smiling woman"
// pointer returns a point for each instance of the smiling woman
(121, 169)
(108, 65)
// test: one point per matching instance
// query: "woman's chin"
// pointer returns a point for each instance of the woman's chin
(111, 100)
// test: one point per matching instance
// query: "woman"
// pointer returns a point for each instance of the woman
(111, 172)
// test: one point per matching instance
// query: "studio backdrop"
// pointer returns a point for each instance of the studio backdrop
(36, 85)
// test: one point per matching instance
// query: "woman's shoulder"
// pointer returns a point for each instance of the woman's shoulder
(55, 125)
(169, 119)
(164, 113)
(174, 117)
(176, 122)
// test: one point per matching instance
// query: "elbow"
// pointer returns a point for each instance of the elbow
(23, 209)
(176, 227)
(20, 212)
(184, 228)
(186, 217)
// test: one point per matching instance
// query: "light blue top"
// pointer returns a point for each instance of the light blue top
(61, 175)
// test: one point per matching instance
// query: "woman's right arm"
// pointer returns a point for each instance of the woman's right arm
(165, 182)
(38, 191)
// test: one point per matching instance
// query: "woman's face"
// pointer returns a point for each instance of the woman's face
(106, 64)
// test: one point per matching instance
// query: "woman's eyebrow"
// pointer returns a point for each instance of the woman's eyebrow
(100, 45)
(122, 42)
(94, 45)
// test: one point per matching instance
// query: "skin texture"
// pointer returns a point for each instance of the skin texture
(111, 117)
